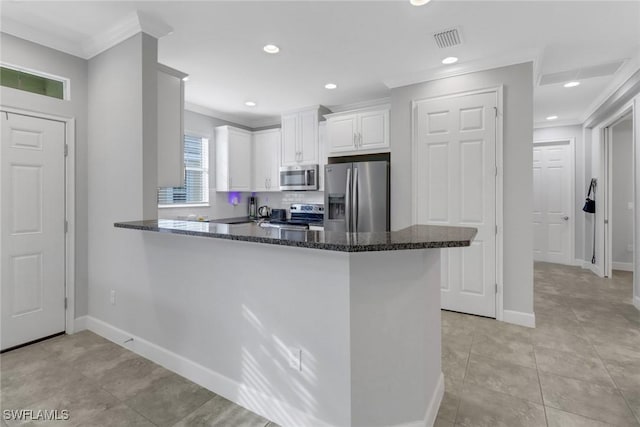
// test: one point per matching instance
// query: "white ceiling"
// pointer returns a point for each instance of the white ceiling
(365, 47)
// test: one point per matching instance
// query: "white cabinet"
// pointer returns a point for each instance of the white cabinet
(300, 136)
(322, 151)
(356, 131)
(170, 127)
(233, 159)
(266, 160)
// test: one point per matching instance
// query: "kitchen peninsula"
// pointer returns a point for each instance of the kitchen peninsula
(305, 327)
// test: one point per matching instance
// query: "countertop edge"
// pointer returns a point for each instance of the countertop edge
(336, 247)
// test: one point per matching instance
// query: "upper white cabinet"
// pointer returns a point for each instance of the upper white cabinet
(322, 150)
(233, 159)
(300, 136)
(266, 160)
(170, 127)
(354, 131)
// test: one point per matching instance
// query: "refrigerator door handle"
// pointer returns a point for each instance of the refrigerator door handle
(347, 201)
(354, 209)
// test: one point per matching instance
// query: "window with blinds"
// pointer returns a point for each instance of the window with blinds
(196, 170)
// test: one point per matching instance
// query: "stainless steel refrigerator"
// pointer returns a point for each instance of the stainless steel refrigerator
(356, 196)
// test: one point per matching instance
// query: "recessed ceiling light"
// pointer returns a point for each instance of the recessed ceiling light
(250, 104)
(330, 86)
(450, 60)
(572, 84)
(552, 117)
(419, 2)
(271, 48)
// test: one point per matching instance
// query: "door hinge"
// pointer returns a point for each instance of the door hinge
(496, 172)
(65, 303)
(496, 288)
(495, 110)
(496, 230)
(66, 226)
(66, 150)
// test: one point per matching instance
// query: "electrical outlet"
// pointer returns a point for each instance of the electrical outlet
(295, 359)
(113, 297)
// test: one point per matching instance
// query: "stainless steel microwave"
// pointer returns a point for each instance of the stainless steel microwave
(299, 178)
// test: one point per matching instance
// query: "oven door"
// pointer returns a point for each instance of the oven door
(296, 178)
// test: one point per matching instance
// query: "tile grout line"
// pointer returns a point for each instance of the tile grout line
(464, 377)
(544, 406)
(192, 412)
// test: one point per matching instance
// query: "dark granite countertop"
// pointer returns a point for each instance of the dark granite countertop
(413, 237)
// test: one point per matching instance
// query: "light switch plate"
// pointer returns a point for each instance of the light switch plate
(295, 359)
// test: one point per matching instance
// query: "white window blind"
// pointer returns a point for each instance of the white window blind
(196, 170)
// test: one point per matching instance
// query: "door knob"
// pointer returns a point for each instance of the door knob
(566, 218)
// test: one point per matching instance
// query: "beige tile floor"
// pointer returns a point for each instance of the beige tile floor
(579, 367)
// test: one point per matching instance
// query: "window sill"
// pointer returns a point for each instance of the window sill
(185, 205)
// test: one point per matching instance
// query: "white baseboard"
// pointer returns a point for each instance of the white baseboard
(241, 394)
(636, 302)
(432, 409)
(578, 262)
(80, 323)
(623, 266)
(519, 318)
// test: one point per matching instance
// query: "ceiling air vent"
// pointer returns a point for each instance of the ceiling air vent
(448, 38)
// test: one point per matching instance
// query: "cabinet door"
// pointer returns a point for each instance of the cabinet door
(308, 136)
(341, 133)
(290, 130)
(261, 162)
(374, 130)
(239, 160)
(170, 130)
(266, 157)
(322, 151)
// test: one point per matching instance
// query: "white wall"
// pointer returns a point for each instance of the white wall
(16, 51)
(560, 133)
(518, 157)
(622, 185)
(120, 186)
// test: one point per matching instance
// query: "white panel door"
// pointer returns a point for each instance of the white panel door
(456, 186)
(32, 216)
(552, 203)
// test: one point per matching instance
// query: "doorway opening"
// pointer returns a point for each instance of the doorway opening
(619, 197)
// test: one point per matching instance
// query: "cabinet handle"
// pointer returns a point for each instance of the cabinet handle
(355, 139)
(360, 138)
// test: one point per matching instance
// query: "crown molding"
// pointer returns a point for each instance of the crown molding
(233, 118)
(36, 35)
(557, 123)
(132, 24)
(372, 103)
(531, 55)
(630, 68)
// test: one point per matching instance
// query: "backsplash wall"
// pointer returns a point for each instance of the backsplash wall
(220, 207)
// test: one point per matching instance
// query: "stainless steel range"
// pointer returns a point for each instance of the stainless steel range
(302, 216)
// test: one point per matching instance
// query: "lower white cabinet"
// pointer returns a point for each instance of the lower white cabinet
(233, 159)
(357, 131)
(266, 160)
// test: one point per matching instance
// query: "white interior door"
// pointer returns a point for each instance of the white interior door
(552, 203)
(456, 185)
(32, 248)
